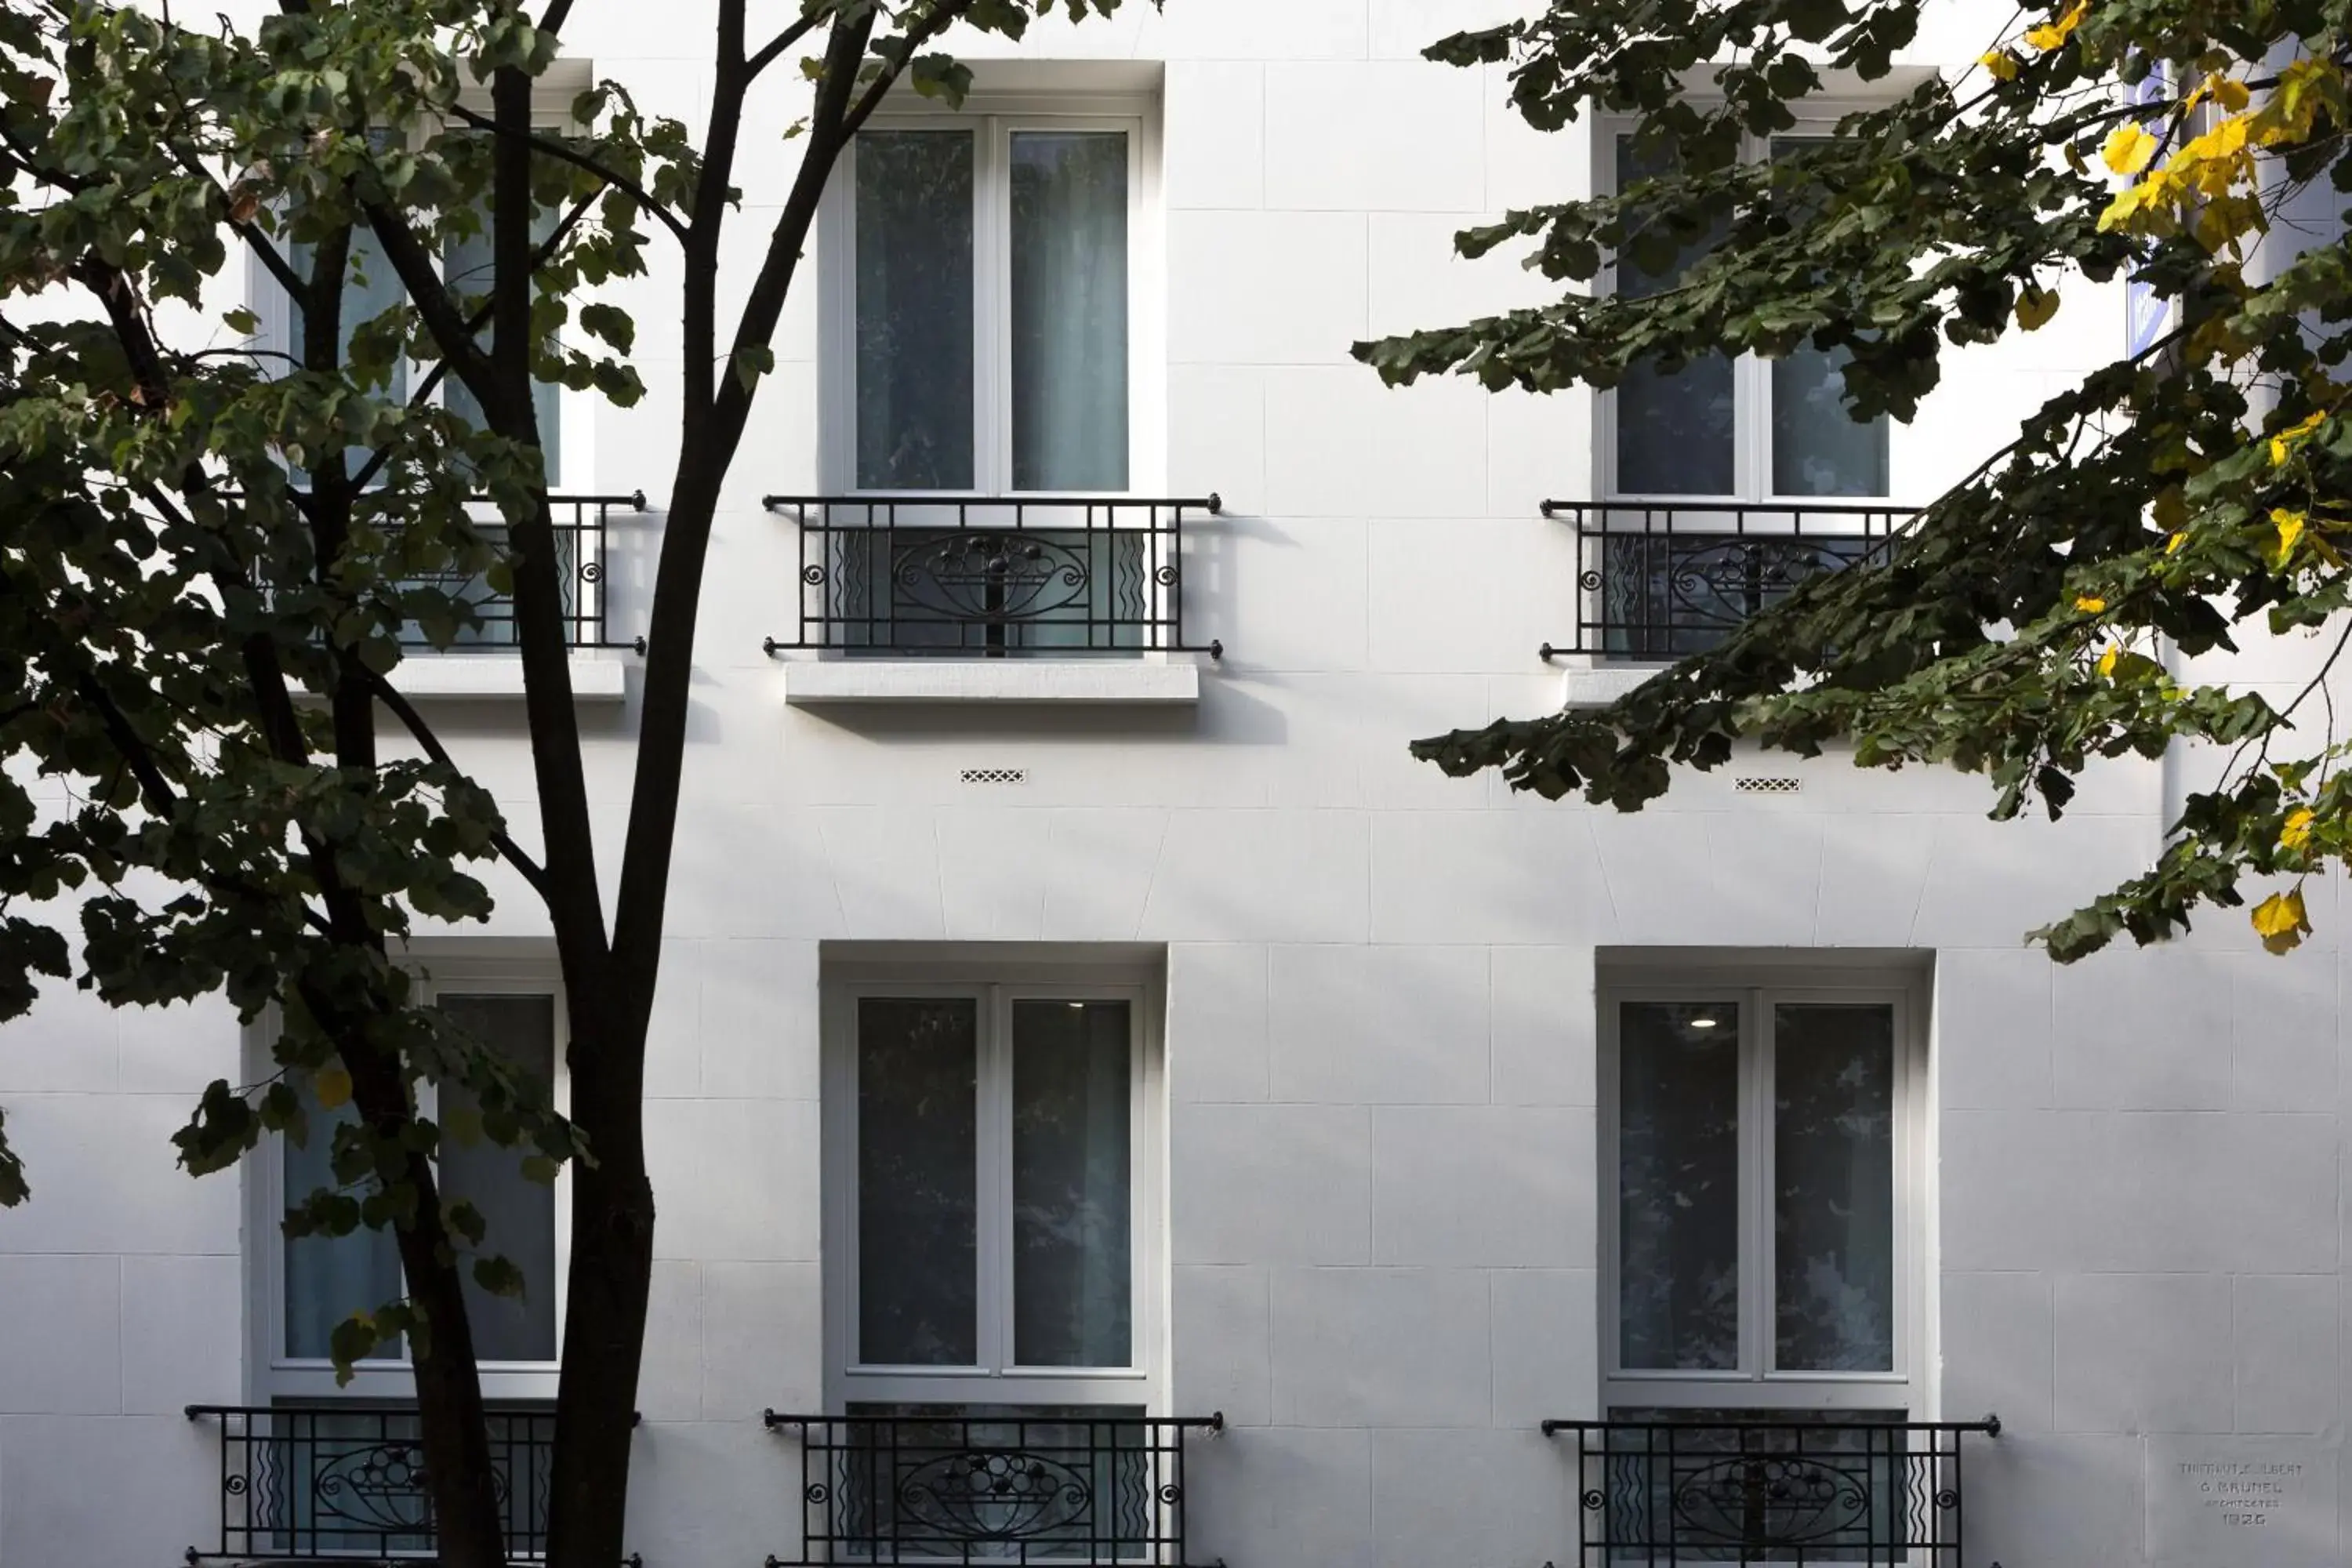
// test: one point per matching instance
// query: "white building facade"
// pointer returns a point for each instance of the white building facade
(1108, 1103)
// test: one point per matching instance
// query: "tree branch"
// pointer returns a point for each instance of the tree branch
(578, 160)
(473, 324)
(431, 297)
(776, 45)
(405, 711)
(262, 246)
(949, 13)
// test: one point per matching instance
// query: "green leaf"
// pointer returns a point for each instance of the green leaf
(753, 361)
(499, 1276)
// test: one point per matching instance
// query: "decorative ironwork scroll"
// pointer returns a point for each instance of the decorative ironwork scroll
(583, 574)
(914, 574)
(1661, 581)
(1777, 1487)
(1069, 1486)
(302, 1483)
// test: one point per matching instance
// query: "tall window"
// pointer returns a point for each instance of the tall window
(370, 288)
(990, 294)
(1741, 429)
(322, 1280)
(1759, 1204)
(985, 1178)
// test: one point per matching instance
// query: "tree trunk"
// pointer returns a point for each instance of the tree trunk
(452, 1424)
(609, 1282)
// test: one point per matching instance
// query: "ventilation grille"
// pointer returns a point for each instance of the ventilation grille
(995, 777)
(1764, 784)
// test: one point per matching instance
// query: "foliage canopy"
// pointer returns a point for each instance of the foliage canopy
(218, 536)
(2052, 608)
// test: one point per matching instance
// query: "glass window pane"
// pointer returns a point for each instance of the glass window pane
(1073, 1205)
(469, 266)
(1818, 449)
(329, 1278)
(914, 199)
(1002, 594)
(1069, 311)
(1678, 1185)
(519, 1214)
(1833, 1187)
(1675, 430)
(370, 288)
(918, 1188)
(1664, 596)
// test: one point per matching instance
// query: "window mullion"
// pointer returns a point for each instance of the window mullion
(1755, 1305)
(993, 1190)
(993, 279)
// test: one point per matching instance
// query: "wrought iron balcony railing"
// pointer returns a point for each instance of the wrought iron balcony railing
(1658, 581)
(1035, 576)
(1758, 1486)
(1090, 1489)
(306, 1483)
(583, 567)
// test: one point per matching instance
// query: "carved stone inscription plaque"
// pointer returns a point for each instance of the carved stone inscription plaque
(2240, 1502)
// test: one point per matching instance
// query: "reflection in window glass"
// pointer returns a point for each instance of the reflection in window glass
(1678, 1185)
(1818, 449)
(1833, 1200)
(1675, 429)
(914, 286)
(1069, 311)
(370, 288)
(469, 266)
(1073, 1206)
(917, 1193)
(518, 1214)
(329, 1278)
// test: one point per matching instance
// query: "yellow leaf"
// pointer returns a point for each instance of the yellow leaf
(2282, 444)
(2172, 545)
(2002, 65)
(2120, 210)
(2290, 529)
(2052, 34)
(2036, 307)
(333, 1087)
(2280, 923)
(2090, 604)
(2128, 150)
(2230, 94)
(2297, 831)
(2107, 659)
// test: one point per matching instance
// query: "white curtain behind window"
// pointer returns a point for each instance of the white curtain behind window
(914, 191)
(518, 1214)
(329, 1278)
(1073, 1205)
(1069, 311)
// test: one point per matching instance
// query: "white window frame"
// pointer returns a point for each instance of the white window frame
(1755, 1384)
(312, 1379)
(1751, 375)
(995, 1380)
(992, 120)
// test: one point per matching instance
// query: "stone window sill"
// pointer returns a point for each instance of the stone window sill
(1099, 681)
(497, 676)
(1599, 685)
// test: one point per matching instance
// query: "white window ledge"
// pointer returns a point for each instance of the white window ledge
(1004, 681)
(497, 676)
(1599, 685)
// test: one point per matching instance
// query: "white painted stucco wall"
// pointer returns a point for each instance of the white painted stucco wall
(1380, 1012)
